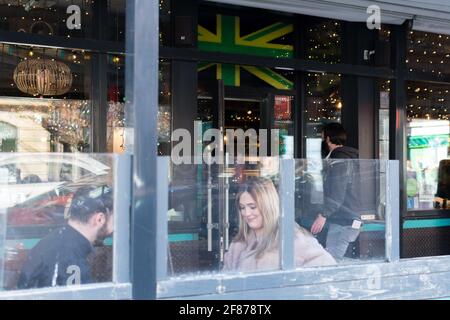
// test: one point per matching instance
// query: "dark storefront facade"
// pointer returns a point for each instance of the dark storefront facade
(294, 72)
(290, 66)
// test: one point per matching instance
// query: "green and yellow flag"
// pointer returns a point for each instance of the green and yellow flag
(228, 39)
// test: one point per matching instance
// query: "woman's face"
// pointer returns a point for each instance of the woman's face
(250, 212)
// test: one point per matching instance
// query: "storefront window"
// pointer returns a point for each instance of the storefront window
(323, 105)
(214, 216)
(383, 46)
(50, 18)
(204, 217)
(116, 104)
(284, 121)
(164, 22)
(116, 20)
(46, 18)
(428, 53)
(8, 137)
(324, 40)
(48, 96)
(165, 108)
(428, 133)
(383, 119)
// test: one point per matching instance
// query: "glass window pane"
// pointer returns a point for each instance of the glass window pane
(428, 53)
(165, 15)
(165, 109)
(49, 211)
(116, 104)
(284, 121)
(324, 40)
(116, 20)
(428, 132)
(383, 119)
(350, 194)
(48, 96)
(206, 219)
(50, 18)
(323, 105)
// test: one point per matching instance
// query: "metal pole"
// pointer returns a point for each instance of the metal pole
(142, 43)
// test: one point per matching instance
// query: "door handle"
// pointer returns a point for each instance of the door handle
(209, 224)
(227, 209)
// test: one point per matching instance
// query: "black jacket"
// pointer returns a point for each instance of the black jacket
(59, 259)
(341, 186)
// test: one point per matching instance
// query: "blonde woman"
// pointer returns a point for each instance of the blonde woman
(256, 246)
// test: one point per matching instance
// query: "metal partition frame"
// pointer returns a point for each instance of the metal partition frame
(393, 207)
(287, 205)
(121, 287)
(162, 232)
(2, 243)
(141, 78)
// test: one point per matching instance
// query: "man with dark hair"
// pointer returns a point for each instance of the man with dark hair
(341, 192)
(61, 258)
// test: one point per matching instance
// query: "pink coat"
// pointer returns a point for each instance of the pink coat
(308, 253)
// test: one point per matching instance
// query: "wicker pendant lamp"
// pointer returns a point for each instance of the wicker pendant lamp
(43, 77)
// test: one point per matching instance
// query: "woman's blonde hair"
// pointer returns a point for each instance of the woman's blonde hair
(265, 195)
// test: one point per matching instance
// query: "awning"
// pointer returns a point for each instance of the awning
(430, 15)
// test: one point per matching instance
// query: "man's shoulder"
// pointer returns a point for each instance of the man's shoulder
(57, 240)
(345, 153)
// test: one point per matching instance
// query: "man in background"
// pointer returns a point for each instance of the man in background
(341, 192)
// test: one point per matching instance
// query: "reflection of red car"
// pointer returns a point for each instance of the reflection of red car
(36, 192)
(46, 210)
(32, 220)
(50, 208)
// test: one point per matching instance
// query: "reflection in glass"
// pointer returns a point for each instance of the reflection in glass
(218, 214)
(428, 132)
(164, 108)
(38, 116)
(351, 193)
(116, 104)
(383, 119)
(50, 18)
(44, 125)
(203, 215)
(323, 105)
(383, 46)
(45, 120)
(50, 202)
(428, 53)
(323, 40)
(284, 121)
(164, 22)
